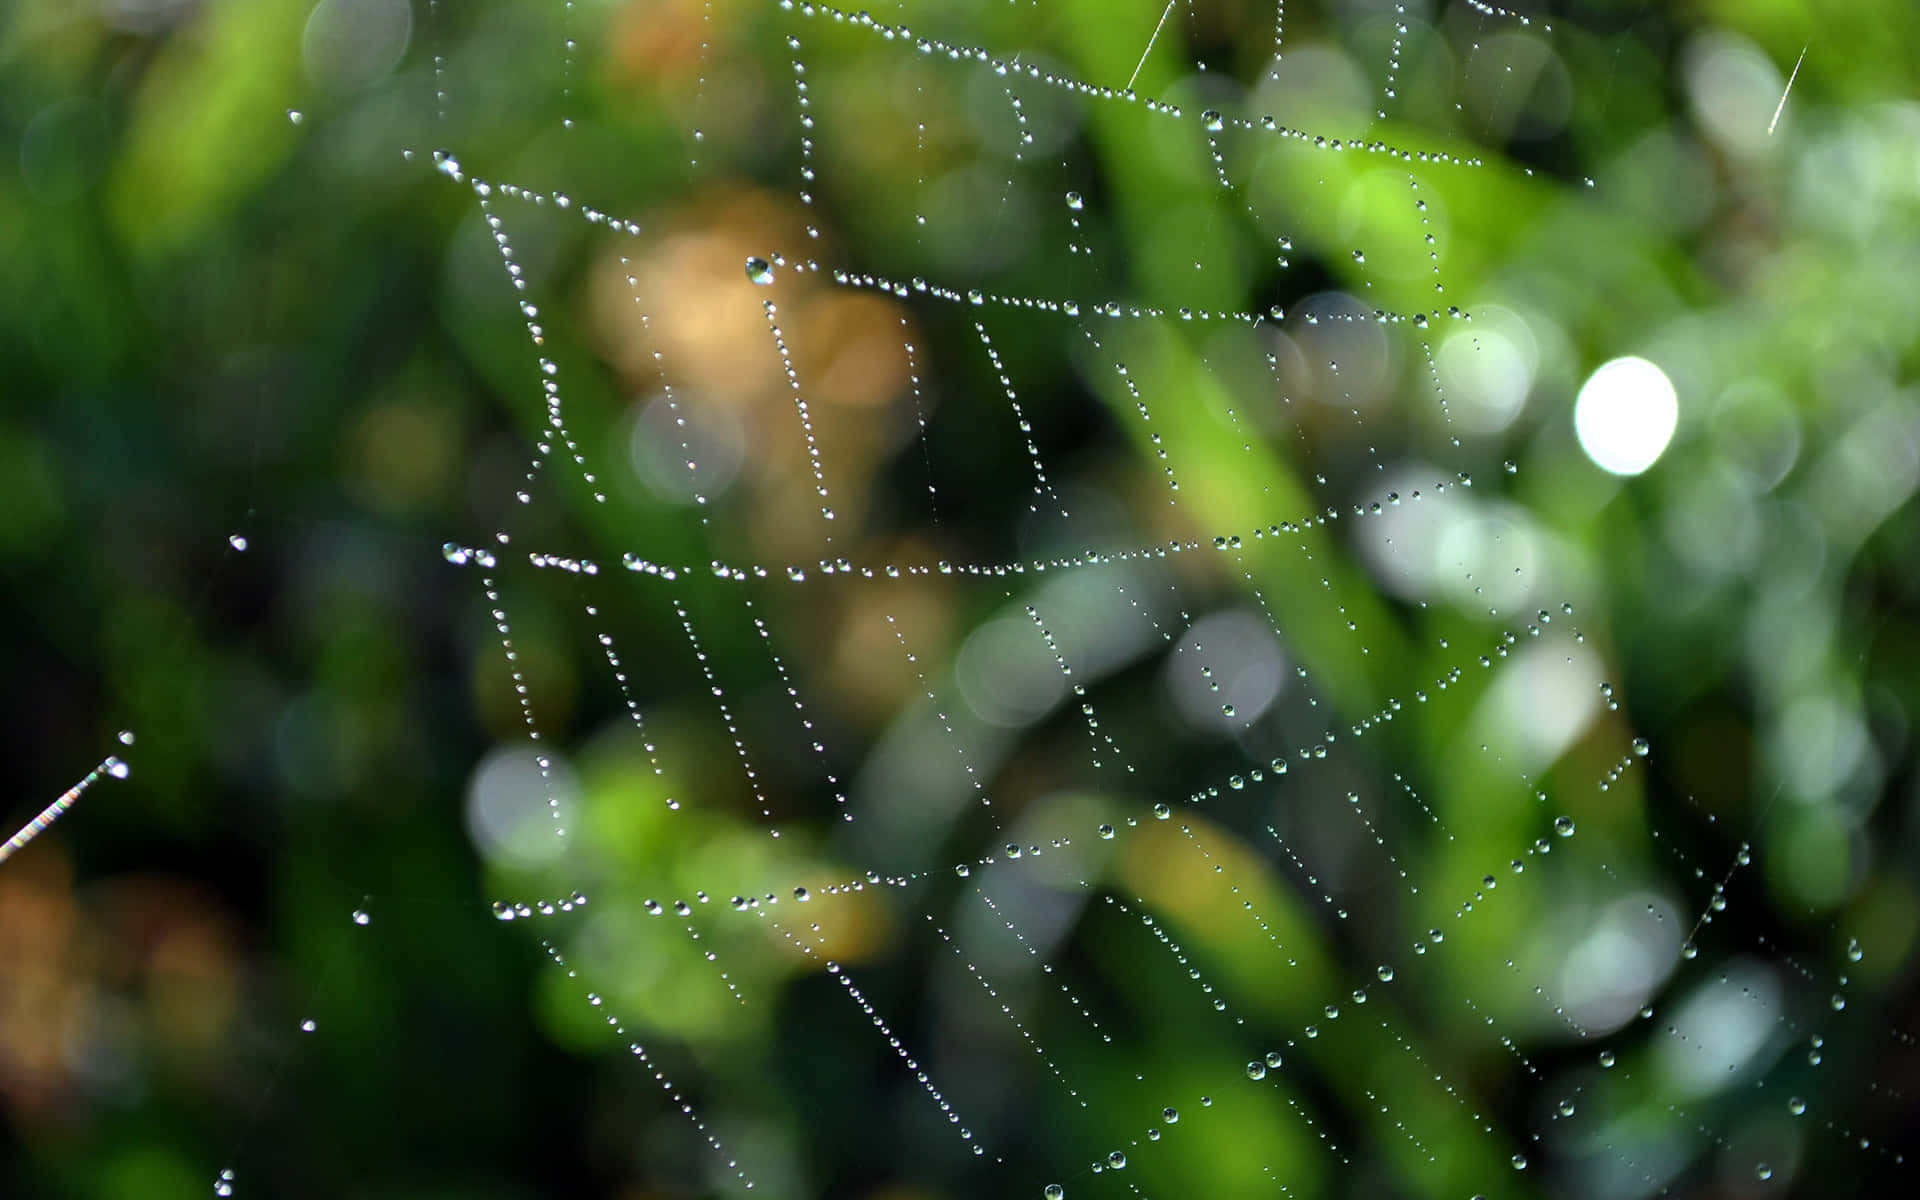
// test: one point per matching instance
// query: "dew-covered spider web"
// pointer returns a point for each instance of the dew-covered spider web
(1046, 598)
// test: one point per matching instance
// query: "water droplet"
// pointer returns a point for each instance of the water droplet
(1519, 1162)
(1116, 1160)
(502, 911)
(1606, 1058)
(1385, 973)
(1256, 1069)
(1563, 826)
(1797, 1106)
(759, 270)
(308, 1025)
(1053, 1191)
(1763, 1172)
(455, 553)
(1074, 201)
(1839, 1002)
(1170, 1115)
(1212, 120)
(801, 894)
(238, 542)
(360, 916)
(295, 116)
(117, 769)
(962, 871)
(1640, 747)
(1106, 832)
(1161, 812)
(1854, 953)
(126, 737)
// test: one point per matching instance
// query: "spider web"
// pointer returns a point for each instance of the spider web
(1032, 614)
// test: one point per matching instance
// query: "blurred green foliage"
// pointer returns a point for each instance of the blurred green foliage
(252, 292)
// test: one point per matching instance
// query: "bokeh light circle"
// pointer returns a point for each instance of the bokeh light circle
(1625, 415)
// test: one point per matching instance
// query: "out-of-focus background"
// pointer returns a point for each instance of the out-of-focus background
(1591, 871)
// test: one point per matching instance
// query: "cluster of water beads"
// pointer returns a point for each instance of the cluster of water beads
(1118, 310)
(506, 911)
(801, 406)
(1106, 830)
(639, 1053)
(1089, 560)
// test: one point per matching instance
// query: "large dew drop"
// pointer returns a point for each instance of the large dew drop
(759, 270)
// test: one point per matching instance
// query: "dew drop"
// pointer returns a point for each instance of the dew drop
(1053, 1191)
(1170, 1115)
(759, 270)
(360, 916)
(1797, 1106)
(1106, 832)
(1256, 1069)
(1640, 747)
(117, 769)
(1606, 1058)
(1563, 826)
(238, 542)
(308, 1025)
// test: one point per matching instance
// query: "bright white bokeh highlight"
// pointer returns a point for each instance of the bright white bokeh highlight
(1625, 415)
(508, 816)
